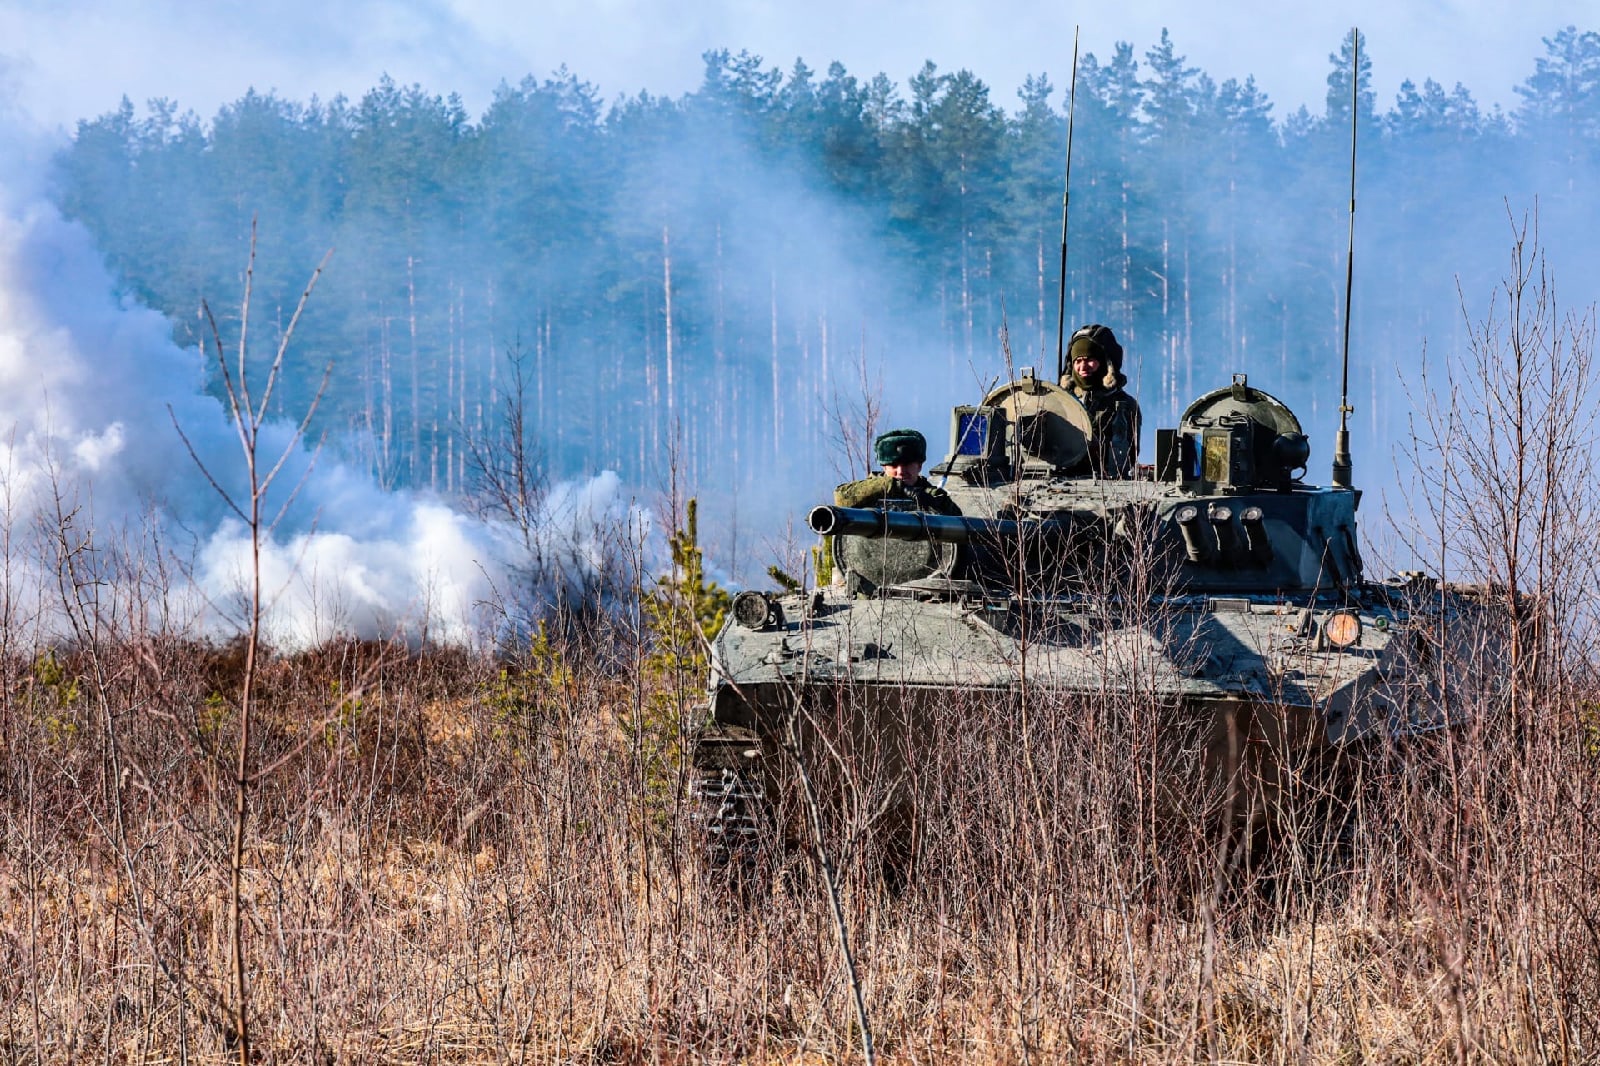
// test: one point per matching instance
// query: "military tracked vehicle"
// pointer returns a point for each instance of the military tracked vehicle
(1216, 586)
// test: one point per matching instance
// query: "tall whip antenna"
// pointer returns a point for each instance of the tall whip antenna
(1341, 441)
(1066, 196)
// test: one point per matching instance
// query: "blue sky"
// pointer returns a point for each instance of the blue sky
(61, 60)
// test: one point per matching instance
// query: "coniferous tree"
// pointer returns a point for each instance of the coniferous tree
(696, 270)
(1030, 241)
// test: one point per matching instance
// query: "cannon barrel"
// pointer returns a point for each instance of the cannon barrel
(920, 525)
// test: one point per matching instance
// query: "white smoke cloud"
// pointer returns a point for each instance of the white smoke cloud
(93, 395)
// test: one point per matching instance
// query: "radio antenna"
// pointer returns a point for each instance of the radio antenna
(1341, 440)
(1066, 195)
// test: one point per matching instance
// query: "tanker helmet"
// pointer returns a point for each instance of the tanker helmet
(1100, 341)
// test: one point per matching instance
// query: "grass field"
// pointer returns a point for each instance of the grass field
(458, 857)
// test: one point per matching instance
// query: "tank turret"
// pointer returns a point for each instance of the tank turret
(1224, 507)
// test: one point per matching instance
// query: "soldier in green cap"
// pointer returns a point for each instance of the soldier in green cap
(1094, 375)
(901, 453)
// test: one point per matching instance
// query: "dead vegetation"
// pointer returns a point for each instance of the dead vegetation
(457, 858)
(476, 857)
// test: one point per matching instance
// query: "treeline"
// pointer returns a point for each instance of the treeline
(704, 281)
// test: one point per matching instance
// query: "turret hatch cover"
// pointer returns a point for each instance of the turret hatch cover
(1046, 421)
(1240, 398)
(880, 561)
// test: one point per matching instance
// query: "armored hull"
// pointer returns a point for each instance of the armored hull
(1216, 597)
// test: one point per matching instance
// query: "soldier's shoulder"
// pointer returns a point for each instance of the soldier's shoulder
(1122, 400)
(862, 491)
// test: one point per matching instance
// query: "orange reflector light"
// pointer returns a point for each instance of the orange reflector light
(1343, 628)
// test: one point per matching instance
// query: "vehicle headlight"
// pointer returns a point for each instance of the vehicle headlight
(1342, 629)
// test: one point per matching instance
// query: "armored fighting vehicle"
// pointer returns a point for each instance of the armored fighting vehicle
(1215, 588)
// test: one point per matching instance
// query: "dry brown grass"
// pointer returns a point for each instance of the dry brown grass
(455, 863)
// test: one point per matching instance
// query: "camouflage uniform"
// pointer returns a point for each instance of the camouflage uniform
(873, 491)
(896, 446)
(1114, 413)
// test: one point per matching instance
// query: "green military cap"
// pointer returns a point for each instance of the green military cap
(900, 446)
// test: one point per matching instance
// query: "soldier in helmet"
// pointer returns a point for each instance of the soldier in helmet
(1094, 375)
(901, 453)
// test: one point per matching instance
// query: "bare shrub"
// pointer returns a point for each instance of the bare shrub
(1481, 838)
